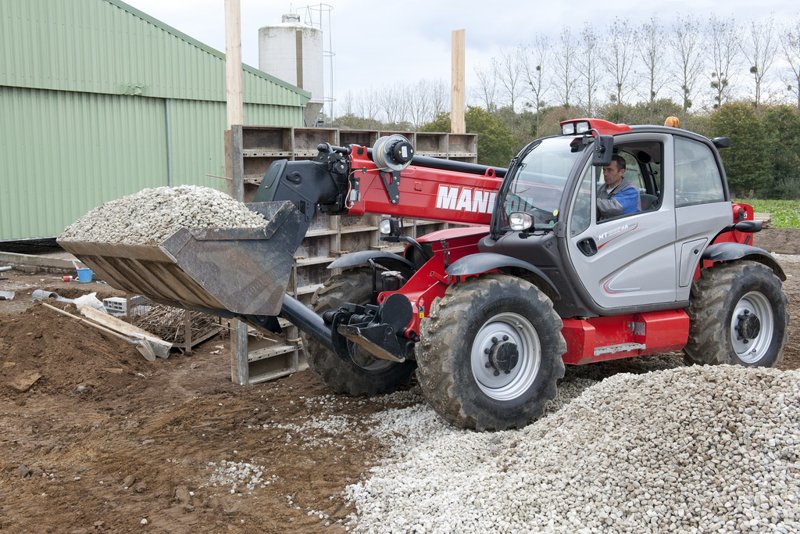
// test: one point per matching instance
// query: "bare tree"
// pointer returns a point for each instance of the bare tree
(587, 63)
(618, 58)
(509, 71)
(440, 97)
(419, 97)
(348, 103)
(760, 51)
(534, 66)
(790, 40)
(565, 66)
(687, 43)
(487, 86)
(393, 102)
(650, 45)
(723, 40)
(368, 104)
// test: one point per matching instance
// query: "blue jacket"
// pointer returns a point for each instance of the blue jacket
(622, 200)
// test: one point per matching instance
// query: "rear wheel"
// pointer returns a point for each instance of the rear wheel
(490, 354)
(360, 374)
(738, 316)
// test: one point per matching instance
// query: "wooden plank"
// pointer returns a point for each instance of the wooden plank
(159, 346)
(143, 346)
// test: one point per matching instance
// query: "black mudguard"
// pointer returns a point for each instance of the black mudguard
(729, 251)
(487, 261)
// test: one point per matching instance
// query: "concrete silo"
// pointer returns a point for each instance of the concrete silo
(293, 52)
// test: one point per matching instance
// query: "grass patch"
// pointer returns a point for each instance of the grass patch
(784, 213)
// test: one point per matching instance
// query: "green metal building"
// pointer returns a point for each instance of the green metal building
(99, 100)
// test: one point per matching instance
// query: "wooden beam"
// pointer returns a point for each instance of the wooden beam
(235, 106)
(233, 62)
(458, 84)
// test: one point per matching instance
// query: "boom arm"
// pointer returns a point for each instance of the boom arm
(349, 181)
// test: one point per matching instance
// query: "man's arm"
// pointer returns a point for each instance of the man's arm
(609, 207)
(628, 200)
(622, 202)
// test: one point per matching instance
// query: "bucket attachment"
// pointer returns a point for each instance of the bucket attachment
(238, 271)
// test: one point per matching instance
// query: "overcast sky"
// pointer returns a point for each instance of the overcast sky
(377, 42)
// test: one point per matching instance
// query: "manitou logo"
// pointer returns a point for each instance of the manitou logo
(465, 199)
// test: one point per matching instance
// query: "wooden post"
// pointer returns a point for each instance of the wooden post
(457, 96)
(187, 331)
(233, 62)
(235, 107)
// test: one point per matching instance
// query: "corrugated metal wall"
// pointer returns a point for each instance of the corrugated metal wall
(64, 153)
(106, 46)
(98, 100)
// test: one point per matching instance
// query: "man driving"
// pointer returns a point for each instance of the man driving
(616, 196)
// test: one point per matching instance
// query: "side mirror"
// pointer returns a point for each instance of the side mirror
(603, 150)
(721, 142)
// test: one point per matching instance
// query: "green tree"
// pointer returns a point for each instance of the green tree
(521, 125)
(654, 112)
(354, 122)
(496, 143)
(782, 125)
(440, 124)
(747, 161)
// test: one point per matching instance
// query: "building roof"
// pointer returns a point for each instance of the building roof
(109, 47)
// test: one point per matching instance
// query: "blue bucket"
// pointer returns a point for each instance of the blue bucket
(85, 275)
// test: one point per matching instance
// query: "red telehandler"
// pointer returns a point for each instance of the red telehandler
(488, 313)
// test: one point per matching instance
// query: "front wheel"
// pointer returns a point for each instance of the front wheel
(738, 316)
(490, 354)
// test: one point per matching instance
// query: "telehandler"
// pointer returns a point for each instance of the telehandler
(530, 278)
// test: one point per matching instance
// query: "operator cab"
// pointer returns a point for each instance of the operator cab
(547, 215)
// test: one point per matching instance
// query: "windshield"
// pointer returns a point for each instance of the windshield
(538, 181)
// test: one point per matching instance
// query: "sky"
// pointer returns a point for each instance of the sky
(377, 43)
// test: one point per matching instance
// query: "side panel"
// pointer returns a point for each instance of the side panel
(624, 336)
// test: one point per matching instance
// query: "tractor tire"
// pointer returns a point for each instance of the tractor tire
(737, 316)
(362, 374)
(490, 354)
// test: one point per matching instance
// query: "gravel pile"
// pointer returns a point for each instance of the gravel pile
(689, 449)
(151, 215)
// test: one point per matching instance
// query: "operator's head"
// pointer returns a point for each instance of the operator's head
(614, 172)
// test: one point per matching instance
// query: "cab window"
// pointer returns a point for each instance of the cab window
(697, 177)
(644, 170)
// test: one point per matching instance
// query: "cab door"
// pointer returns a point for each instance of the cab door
(701, 205)
(628, 260)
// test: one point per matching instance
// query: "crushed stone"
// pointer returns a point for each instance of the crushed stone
(690, 449)
(151, 215)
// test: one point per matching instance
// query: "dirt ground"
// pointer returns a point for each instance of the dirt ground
(94, 438)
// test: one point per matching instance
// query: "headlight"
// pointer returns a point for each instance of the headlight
(520, 221)
(385, 226)
(390, 226)
(581, 127)
(568, 128)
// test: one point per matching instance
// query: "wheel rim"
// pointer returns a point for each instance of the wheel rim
(497, 342)
(752, 326)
